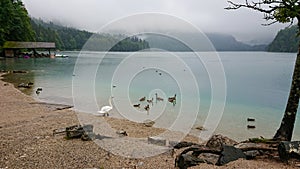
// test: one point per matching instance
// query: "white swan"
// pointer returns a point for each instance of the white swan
(105, 109)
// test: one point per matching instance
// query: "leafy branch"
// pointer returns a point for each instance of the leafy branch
(283, 11)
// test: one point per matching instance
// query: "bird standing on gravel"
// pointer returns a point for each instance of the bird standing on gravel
(106, 109)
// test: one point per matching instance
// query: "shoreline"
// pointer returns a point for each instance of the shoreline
(27, 140)
(55, 105)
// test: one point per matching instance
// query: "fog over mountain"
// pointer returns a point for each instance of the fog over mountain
(208, 16)
(219, 42)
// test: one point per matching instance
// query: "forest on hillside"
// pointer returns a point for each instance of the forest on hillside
(16, 25)
(64, 38)
(14, 22)
(286, 40)
(67, 38)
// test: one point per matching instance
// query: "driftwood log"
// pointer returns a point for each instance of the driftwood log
(185, 160)
(220, 150)
(287, 150)
(191, 155)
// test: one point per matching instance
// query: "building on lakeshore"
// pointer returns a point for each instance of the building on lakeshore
(27, 49)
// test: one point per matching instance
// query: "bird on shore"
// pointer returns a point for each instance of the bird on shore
(142, 99)
(172, 100)
(106, 109)
(122, 133)
(158, 98)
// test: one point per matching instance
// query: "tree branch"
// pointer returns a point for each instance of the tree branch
(253, 6)
(274, 10)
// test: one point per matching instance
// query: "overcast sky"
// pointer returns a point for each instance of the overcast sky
(208, 15)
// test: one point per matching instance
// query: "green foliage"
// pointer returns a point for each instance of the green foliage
(14, 22)
(282, 11)
(262, 140)
(287, 11)
(258, 140)
(44, 34)
(64, 38)
(285, 41)
(72, 39)
(130, 44)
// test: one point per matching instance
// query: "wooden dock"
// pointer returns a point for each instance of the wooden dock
(16, 49)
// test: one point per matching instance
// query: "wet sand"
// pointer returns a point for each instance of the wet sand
(27, 140)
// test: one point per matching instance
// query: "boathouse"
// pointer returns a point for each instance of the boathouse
(14, 48)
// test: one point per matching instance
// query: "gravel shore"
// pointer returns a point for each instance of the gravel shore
(27, 140)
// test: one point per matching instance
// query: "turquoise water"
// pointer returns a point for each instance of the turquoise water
(257, 85)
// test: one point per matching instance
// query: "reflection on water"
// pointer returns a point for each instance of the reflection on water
(257, 86)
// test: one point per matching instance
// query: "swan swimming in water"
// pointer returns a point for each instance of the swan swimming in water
(106, 109)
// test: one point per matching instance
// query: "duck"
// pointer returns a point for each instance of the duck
(142, 99)
(158, 98)
(38, 90)
(172, 100)
(147, 108)
(251, 127)
(150, 101)
(137, 105)
(250, 119)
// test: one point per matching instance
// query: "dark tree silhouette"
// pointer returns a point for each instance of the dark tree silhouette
(283, 11)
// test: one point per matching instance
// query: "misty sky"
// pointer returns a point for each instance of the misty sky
(208, 15)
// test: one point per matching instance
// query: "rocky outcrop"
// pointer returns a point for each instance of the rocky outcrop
(230, 153)
(216, 142)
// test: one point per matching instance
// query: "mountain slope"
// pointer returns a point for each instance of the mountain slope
(286, 40)
(221, 42)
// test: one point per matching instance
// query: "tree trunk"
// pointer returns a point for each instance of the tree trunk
(285, 131)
